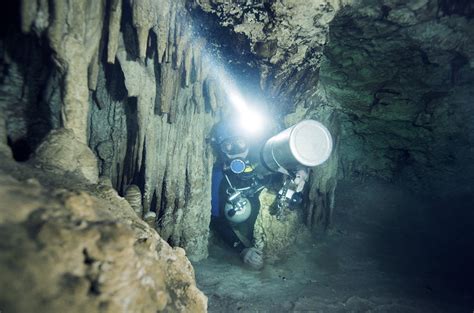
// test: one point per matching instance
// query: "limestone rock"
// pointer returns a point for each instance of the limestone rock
(4, 149)
(150, 218)
(400, 80)
(392, 85)
(29, 94)
(61, 151)
(274, 236)
(114, 29)
(134, 196)
(106, 189)
(65, 251)
(74, 33)
(288, 36)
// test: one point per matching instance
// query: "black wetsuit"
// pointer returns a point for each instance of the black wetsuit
(227, 229)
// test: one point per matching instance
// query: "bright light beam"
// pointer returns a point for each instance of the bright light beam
(249, 120)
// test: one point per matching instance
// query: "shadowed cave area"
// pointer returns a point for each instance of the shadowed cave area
(237, 156)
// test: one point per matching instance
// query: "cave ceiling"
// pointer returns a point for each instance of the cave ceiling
(286, 38)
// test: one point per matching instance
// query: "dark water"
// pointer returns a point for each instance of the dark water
(388, 251)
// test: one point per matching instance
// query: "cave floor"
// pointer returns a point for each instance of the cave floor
(381, 255)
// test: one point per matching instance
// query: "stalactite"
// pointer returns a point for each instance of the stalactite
(198, 97)
(161, 29)
(179, 41)
(171, 33)
(115, 16)
(154, 135)
(168, 77)
(75, 44)
(28, 14)
(145, 15)
(141, 83)
(93, 71)
(197, 59)
(204, 62)
(188, 63)
(212, 94)
(4, 149)
(178, 129)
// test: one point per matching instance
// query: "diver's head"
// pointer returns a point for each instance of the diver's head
(234, 147)
(229, 141)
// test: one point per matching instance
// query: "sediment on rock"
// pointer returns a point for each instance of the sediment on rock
(91, 252)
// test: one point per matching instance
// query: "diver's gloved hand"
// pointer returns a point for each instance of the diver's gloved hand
(301, 178)
(253, 257)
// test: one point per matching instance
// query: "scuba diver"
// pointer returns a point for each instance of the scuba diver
(236, 185)
(246, 164)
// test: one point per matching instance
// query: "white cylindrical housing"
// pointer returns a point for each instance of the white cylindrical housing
(307, 143)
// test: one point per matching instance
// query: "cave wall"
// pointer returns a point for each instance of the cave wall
(130, 80)
(84, 250)
(399, 76)
(29, 93)
(287, 37)
(167, 154)
(84, 126)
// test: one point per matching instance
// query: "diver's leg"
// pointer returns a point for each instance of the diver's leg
(225, 231)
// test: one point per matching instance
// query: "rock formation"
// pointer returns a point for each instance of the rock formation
(127, 91)
(392, 80)
(133, 83)
(400, 79)
(84, 250)
(275, 236)
(134, 197)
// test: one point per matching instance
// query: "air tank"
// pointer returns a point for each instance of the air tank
(307, 143)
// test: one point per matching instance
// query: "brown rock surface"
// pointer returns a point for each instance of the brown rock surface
(275, 236)
(288, 36)
(145, 110)
(62, 151)
(84, 251)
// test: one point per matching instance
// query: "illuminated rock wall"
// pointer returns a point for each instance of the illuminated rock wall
(134, 86)
(287, 40)
(391, 79)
